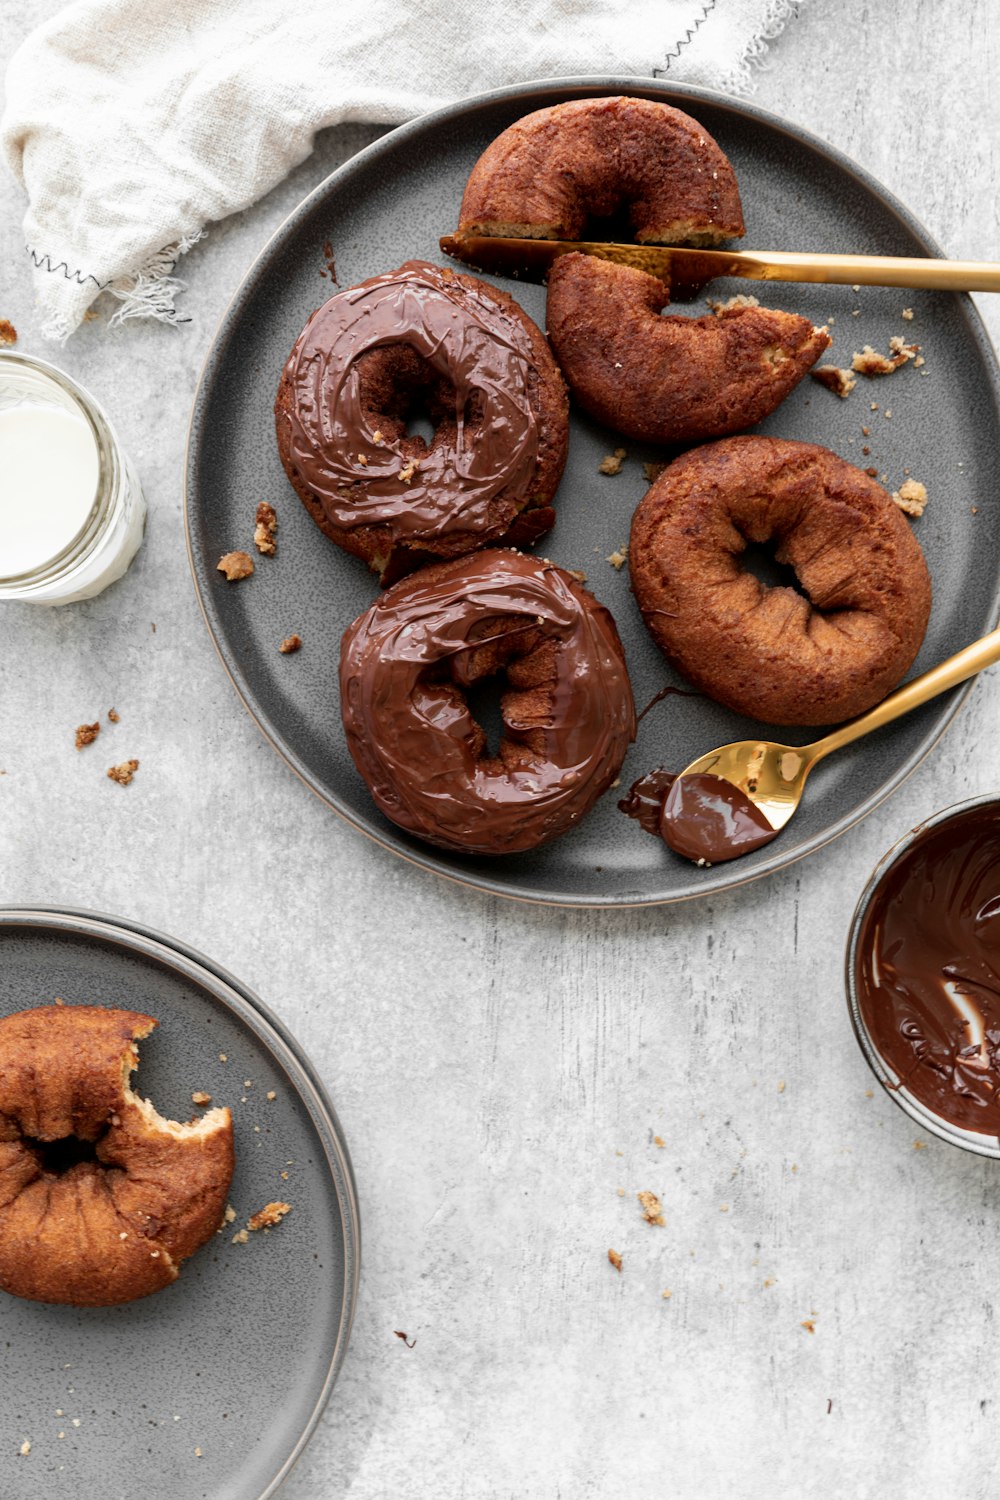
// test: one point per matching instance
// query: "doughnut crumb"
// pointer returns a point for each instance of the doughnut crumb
(652, 1209)
(235, 565)
(200, 1097)
(270, 1215)
(840, 382)
(8, 333)
(615, 1260)
(290, 644)
(86, 734)
(618, 558)
(870, 362)
(652, 472)
(123, 772)
(911, 497)
(265, 536)
(612, 464)
(114, 717)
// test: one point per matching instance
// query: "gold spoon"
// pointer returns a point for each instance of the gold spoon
(773, 776)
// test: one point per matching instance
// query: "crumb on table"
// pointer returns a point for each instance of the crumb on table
(123, 772)
(265, 536)
(615, 1260)
(619, 558)
(841, 382)
(114, 717)
(200, 1097)
(8, 333)
(911, 497)
(86, 734)
(290, 644)
(612, 464)
(653, 471)
(240, 1237)
(652, 1209)
(269, 1215)
(235, 565)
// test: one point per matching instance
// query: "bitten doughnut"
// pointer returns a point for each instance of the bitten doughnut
(668, 379)
(408, 662)
(817, 656)
(550, 172)
(422, 339)
(100, 1198)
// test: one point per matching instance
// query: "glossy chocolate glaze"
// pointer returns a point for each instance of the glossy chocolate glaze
(645, 798)
(464, 337)
(928, 969)
(568, 712)
(705, 818)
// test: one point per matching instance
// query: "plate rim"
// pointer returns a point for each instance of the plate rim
(726, 878)
(149, 942)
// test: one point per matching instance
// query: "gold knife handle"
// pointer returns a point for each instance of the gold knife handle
(868, 270)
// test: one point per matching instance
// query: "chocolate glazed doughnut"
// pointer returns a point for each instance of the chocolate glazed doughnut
(666, 379)
(100, 1198)
(785, 657)
(475, 363)
(568, 714)
(551, 171)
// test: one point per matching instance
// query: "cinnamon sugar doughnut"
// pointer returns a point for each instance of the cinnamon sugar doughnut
(100, 1198)
(785, 657)
(427, 339)
(667, 379)
(552, 170)
(405, 669)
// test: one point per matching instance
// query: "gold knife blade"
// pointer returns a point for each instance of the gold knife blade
(686, 270)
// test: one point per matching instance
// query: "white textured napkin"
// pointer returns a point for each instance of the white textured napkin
(132, 126)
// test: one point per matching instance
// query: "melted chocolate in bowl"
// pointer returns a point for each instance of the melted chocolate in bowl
(927, 969)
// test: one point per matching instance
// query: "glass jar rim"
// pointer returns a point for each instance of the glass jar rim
(97, 517)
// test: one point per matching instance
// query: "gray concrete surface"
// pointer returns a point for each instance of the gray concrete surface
(501, 1071)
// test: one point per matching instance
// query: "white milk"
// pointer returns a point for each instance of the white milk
(49, 469)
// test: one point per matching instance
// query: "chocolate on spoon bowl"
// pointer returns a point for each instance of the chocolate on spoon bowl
(923, 974)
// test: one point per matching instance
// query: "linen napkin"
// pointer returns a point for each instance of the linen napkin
(133, 126)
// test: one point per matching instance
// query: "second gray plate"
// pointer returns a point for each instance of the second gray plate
(210, 1389)
(390, 204)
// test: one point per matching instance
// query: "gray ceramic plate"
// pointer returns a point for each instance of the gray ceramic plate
(238, 1357)
(390, 204)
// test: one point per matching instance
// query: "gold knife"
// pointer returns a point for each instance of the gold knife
(687, 270)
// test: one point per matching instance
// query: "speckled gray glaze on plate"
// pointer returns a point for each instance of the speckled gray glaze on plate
(238, 1357)
(390, 204)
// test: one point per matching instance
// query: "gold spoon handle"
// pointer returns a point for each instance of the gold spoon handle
(928, 685)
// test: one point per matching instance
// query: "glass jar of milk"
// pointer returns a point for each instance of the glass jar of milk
(71, 509)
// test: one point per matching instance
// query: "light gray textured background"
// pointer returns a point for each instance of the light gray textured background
(500, 1071)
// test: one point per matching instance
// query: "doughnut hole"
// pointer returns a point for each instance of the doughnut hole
(508, 678)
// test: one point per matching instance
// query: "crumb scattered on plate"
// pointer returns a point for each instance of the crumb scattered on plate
(612, 464)
(235, 565)
(200, 1097)
(269, 1215)
(123, 772)
(86, 734)
(619, 557)
(8, 333)
(615, 1260)
(870, 362)
(289, 644)
(265, 536)
(114, 717)
(911, 497)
